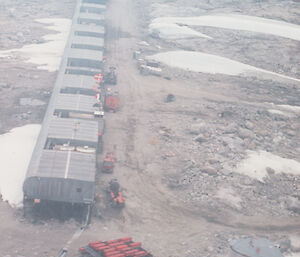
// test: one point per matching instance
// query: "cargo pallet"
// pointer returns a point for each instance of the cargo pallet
(123, 247)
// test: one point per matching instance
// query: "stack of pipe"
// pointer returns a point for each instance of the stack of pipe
(122, 247)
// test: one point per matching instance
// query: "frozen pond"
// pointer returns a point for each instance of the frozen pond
(256, 164)
(46, 55)
(237, 22)
(208, 63)
(16, 148)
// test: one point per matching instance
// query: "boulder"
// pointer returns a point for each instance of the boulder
(245, 133)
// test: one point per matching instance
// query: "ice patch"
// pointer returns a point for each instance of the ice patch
(238, 22)
(46, 55)
(208, 63)
(16, 148)
(256, 164)
(174, 31)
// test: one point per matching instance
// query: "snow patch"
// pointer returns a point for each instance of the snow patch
(46, 55)
(295, 241)
(256, 164)
(174, 31)
(292, 108)
(238, 22)
(16, 148)
(208, 63)
(273, 111)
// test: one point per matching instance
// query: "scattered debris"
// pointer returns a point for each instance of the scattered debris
(170, 98)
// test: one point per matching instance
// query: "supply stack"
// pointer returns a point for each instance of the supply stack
(123, 247)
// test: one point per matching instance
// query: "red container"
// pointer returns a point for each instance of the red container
(125, 249)
(116, 244)
(101, 248)
(137, 244)
(96, 243)
(118, 255)
(126, 239)
(111, 253)
(111, 102)
(139, 254)
(82, 250)
(132, 250)
(120, 247)
(109, 250)
(131, 253)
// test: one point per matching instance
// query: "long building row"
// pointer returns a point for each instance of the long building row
(63, 165)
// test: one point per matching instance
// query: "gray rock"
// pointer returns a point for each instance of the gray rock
(291, 133)
(200, 139)
(230, 129)
(249, 125)
(197, 128)
(270, 171)
(213, 161)
(245, 133)
(209, 170)
(293, 204)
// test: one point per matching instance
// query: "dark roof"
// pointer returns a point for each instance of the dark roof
(88, 41)
(73, 129)
(77, 103)
(86, 54)
(89, 28)
(94, 16)
(78, 81)
(65, 164)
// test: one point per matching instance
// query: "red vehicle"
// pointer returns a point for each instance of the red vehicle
(108, 163)
(111, 103)
(117, 198)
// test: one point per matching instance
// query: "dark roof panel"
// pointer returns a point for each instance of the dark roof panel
(78, 81)
(94, 16)
(67, 165)
(77, 103)
(86, 54)
(73, 129)
(88, 41)
(89, 28)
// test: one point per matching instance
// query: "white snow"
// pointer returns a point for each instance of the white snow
(292, 108)
(16, 148)
(174, 31)
(256, 163)
(46, 55)
(238, 22)
(208, 63)
(295, 241)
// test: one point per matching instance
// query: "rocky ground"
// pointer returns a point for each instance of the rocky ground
(19, 79)
(211, 136)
